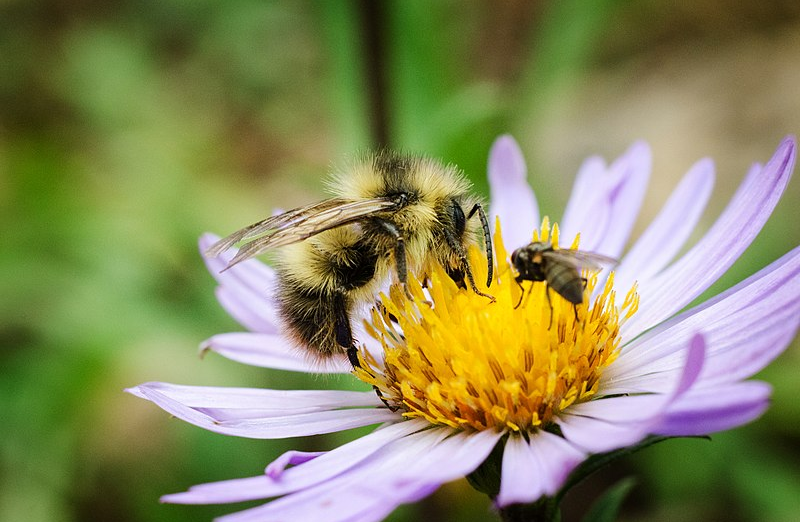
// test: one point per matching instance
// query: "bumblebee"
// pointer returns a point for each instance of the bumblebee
(560, 269)
(390, 214)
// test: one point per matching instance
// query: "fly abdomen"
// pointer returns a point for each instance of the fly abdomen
(565, 280)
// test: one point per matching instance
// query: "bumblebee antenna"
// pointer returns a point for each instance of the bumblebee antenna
(487, 241)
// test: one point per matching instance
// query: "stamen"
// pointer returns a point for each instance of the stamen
(455, 359)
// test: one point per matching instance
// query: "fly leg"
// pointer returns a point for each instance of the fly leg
(521, 293)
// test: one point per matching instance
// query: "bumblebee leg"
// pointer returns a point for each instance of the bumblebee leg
(344, 337)
(550, 304)
(456, 245)
(341, 326)
(457, 275)
(384, 310)
(399, 253)
(487, 240)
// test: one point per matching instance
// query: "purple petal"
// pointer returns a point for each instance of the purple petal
(630, 175)
(512, 198)
(598, 436)
(272, 351)
(272, 426)
(726, 367)
(533, 469)
(257, 313)
(718, 408)
(407, 470)
(298, 401)
(733, 232)
(348, 499)
(362, 493)
(335, 501)
(246, 290)
(586, 212)
(252, 273)
(605, 202)
(521, 477)
(316, 471)
(290, 458)
(695, 357)
(610, 423)
(622, 409)
(451, 458)
(745, 328)
(670, 229)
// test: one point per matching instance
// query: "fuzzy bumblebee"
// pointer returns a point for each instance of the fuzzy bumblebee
(390, 214)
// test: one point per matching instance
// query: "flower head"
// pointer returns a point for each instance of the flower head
(513, 365)
(551, 380)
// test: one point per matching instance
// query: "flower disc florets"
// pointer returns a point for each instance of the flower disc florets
(454, 358)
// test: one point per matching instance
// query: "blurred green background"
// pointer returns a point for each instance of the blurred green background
(128, 128)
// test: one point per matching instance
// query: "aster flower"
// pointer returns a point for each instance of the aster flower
(527, 386)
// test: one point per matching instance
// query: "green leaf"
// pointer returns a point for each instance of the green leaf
(596, 462)
(486, 478)
(606, 508)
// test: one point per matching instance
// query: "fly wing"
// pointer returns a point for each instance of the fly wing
(296, 225)
(579, 259)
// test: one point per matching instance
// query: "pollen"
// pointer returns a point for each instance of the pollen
(455, 358)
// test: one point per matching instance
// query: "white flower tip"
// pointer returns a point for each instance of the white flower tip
(141, 390)
(703, 175)
(203, 348)
(703, 167)
(638, 155)
(506, 160)
(134, 390)
(786, 152)
(173, 498)
(206, 240)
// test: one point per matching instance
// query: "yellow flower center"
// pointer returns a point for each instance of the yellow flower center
(454, 358)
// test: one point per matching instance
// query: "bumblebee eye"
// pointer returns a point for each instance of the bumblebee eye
(514, 256)
(459, 219)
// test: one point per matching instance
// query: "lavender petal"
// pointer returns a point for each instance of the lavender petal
(749, 324)
(738, 225)
(511, 196)
(324, 468)
(282, 401)
(606, 201)
(272, 351)
(717, 408)
(670, 229)
(273, 427)
(533, 469)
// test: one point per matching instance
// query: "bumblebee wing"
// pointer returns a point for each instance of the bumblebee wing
(272, 224)
(579, 259)
(299, 224)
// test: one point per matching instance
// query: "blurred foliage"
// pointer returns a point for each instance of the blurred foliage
(127, 128)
